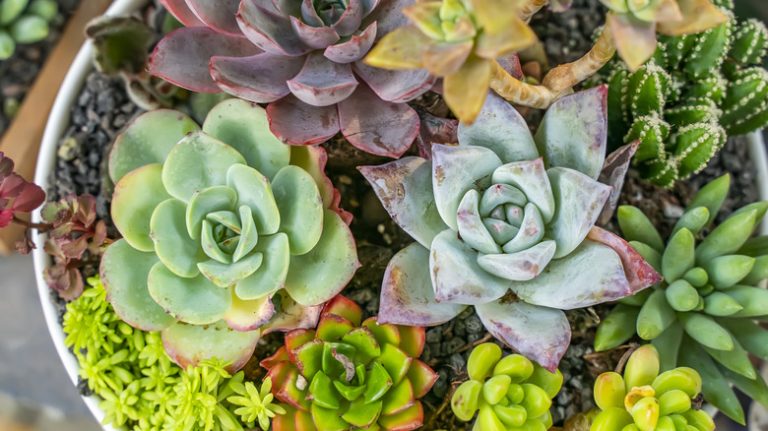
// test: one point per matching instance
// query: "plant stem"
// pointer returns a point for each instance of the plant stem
(519, 92)
(41, 227)
(567, 75)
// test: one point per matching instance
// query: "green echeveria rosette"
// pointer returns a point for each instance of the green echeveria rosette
(216, 222)
(702, 314)
(642, 399)
(24, 21)
(350, 374)
(506, 393)
(505, 222)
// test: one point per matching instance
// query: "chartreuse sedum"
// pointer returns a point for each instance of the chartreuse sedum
(24, 21)
(702, 315)
(506, 393)
(645, 400)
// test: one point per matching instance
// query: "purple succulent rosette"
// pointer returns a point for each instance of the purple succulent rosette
(303, 58)
(505, 222)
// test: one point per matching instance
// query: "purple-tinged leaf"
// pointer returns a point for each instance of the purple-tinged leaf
(182, 56)
(502, 129)
(579, 200)
(574, 132)
(376, 126)
(297, 123)
(397, 86)
(530, 177)
(354, 48)
(407, 297)
(435, 130)
(591, 275)
(405, 189)
(511, 63)
(349, 21)
(322, 82)
(456, 170)
(287, 7)
(456, 276)
(635, 39)
(639, 272)
(218, 15)
(389, 15)
(291, 315)
(187, 345)
(521, 266)
(182, 12)
(542, 334)
(268, 30)
(259, 78)
(314, 37)
(249, 315)
(614, 172)
(309, 14)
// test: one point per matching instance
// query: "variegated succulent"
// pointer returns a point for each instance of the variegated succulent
(350, 374)
(304, 59)
(702, 314)
(634, 23)
(502, 222)
(459, 41)
(216, 223)
(682, 105)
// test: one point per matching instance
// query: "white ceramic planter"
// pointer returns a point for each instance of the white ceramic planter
(55, 128)
(57, 124)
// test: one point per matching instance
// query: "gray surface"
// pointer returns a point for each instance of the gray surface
(30, 369)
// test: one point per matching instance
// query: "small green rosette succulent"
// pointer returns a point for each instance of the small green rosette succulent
(24, 21)
(505, 222)
(702, 315)
(350, 374)
(507, 393)
(644, 400)
(226, 230)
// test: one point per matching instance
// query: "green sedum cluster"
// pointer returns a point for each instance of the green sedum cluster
(24, 21)
(644, 400)
(702, 315)
(506, 393)
(696, 91)
(141, 389)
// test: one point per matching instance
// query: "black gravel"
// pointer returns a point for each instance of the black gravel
(19, 72)
(568, 35)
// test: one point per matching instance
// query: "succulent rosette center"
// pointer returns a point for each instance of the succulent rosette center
(213, 230)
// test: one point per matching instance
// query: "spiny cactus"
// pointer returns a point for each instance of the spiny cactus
(350, 374)
(702, 314)
(239, 229)
(24, 21)
(694, 92)
(643, 399)
(507, 229)
(506, 393)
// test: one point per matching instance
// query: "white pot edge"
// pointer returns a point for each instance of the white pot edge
(57, 123)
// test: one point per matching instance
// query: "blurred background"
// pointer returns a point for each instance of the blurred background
(35, 392)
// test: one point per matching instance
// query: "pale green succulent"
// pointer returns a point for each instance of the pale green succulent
(215, 223)
(24, 21)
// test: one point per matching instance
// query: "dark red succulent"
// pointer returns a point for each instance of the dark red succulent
(17, 195)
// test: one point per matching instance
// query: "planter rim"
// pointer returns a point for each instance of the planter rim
(57, 124)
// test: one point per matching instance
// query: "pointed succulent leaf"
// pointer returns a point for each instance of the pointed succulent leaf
(187, 345)
(637, 227)
(727, 237)
(640, 273)
(539, 333)
(298, 123)
(531, 178)
(635, 39)
(407, 296)
(321, 82)
(616, 328)
(655, 316)
(715, 387)
(574, 133)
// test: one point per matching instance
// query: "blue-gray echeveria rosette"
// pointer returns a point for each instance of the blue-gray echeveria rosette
(505, 221)
(227, 232)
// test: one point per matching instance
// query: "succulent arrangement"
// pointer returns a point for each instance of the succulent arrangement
(702, 314)
(506, 392)
(350, 373)
(219, 301)
(24, 21)
(505, 228)
(644, 399)
(235, 218)
(695, 91)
